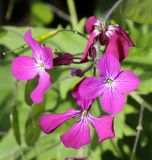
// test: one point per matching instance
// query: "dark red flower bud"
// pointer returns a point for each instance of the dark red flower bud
(92, 52)
(77, 72)
(63, 59)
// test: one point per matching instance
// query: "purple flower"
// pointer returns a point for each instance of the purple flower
(27, 68)
(77, 72)
(112, 85)
(116, 40)
(79, 134)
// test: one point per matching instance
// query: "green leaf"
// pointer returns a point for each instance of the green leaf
(54, 40)
(15, 124)
(81, 24)
(30, 85)
(137, 10)
(44, 17)
(32, 129)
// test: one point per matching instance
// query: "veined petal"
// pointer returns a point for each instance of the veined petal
(77, 136)
(51, 122)
(83, 103)
(108, 66)
(103, 126)
(112, 101)
(93, 35)
(44, 84)
(23, 68)
(127, 82)
(117, 47)
(91, 88)
(123, 34)
(47, 57)
(119, 43)
(34, 45)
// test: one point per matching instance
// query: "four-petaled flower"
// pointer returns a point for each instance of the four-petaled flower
(112, 85)
(79, 134)
(27, 68)
(116, 40)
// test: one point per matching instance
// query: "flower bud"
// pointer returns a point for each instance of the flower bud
(77, 72)
(63, 59)
(92, 52)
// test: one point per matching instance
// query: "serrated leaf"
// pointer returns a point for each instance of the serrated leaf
(32, 129)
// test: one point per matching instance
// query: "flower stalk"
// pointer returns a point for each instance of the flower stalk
(73, 14)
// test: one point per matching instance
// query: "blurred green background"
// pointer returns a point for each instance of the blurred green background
(20, 135)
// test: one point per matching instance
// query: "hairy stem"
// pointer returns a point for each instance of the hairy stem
(139, 129)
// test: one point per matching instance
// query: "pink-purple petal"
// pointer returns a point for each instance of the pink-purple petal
(119, 43)
(90, 24)
(93, 35)
(47, 57)
(117, 47)
(123, 34)
(112, 101)
(44, 84)
(104, 126)
(34, 45)
(91, 88)
(82, 103)
(77, 136)
(127, 82)
(51, 122)
(108, 66)
(23, 68)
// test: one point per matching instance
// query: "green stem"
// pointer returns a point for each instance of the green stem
(9, 10)
(141, 101)
(139, 129)
(73, 13)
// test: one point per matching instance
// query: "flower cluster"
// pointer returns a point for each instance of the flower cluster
(111, 85)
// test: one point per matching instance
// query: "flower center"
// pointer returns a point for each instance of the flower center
(109, 81)
(84, 113)
(41, 65)
(100, 27)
